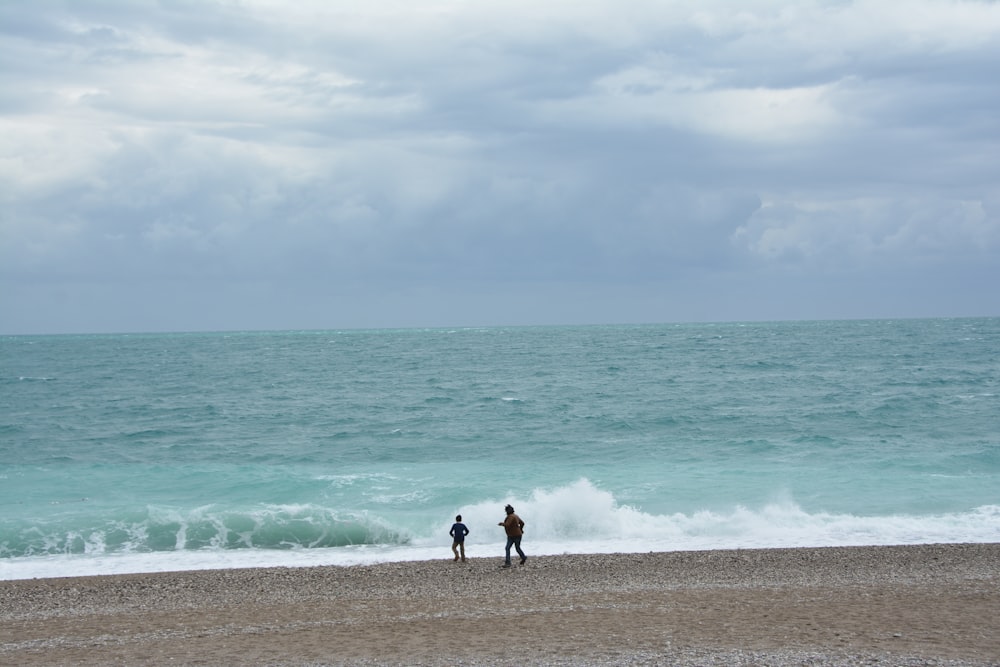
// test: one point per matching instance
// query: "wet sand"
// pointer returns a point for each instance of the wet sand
(908, 605)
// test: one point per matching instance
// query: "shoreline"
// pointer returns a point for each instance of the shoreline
(900, 605)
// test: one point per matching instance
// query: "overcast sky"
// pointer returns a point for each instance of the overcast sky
(177, 166)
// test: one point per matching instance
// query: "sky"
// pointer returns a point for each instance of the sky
(268, 165)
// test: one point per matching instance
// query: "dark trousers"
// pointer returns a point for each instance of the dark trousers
(516, 543)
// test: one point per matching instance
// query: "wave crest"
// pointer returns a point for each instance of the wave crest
(583, 518)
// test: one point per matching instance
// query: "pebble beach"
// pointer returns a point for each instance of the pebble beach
(905, 605)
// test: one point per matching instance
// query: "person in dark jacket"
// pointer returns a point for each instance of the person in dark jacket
(515, 530)
(458, 532)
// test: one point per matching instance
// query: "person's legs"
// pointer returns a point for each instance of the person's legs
(461, 547)
(517, 545)
(510, 543)
(454, 549)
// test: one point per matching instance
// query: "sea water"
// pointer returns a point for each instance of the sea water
(135, 453)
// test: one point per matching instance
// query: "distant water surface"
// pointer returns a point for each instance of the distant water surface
(148, 452)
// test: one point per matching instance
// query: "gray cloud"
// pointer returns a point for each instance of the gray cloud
(256, 165)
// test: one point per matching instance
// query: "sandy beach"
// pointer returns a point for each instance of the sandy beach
(908, 605)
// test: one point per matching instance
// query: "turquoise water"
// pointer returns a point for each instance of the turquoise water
(168, 451)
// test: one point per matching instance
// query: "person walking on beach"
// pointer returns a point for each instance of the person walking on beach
(458, 533)
(515, 529)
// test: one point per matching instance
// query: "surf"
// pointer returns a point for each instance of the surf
(578, 517)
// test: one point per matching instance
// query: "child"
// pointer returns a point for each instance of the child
(458, 532)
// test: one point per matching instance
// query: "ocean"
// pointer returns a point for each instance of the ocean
(155, 452)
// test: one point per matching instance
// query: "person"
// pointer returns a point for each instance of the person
(458, 532)
(515, 530)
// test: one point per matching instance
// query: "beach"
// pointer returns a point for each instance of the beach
(905, 605)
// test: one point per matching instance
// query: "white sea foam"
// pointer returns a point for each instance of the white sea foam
(577, 518)
(582, 518)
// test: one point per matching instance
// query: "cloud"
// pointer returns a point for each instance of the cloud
(454, 160)
(872, 231)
